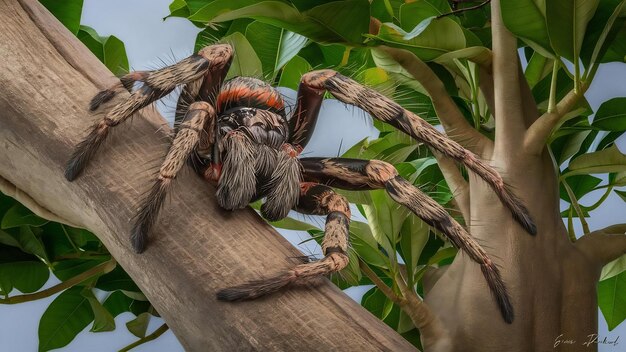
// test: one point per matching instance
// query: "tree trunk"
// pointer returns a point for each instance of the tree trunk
(47, 78)
(553, 284)
(552, 281)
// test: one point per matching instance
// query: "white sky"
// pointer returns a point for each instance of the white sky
(148, 40)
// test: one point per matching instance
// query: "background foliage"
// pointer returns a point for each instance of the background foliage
(563, 41)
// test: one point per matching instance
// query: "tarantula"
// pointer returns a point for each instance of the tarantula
(236, 133)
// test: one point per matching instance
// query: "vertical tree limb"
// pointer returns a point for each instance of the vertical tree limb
(508, 104)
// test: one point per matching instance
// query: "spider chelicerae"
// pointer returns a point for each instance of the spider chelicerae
(236, 134)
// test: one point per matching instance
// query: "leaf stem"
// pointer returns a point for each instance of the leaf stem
(96, 270)
(158, 332)
(553, 82)
(601, 200)
(576, 205)
(386, 290)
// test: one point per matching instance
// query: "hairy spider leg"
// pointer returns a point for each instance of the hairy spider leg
(315, 83)
(198, 120)
(156, 84)
(356, 174)
(283, 184)
(318, 200)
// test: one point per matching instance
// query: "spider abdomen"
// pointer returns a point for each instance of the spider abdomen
(249, 92)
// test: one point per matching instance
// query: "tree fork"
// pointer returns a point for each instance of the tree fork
(48, 78)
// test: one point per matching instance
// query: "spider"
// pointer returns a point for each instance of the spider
(236, 134)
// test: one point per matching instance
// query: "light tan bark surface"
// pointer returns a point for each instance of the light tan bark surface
(46, 80)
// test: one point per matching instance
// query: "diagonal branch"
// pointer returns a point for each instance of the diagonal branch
(452, 120)
(539, 132)
(604, 245)
(507, 95)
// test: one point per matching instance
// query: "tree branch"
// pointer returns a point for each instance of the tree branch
(158, 332)
(431, 329)
(12, 191)
(96, 270)
(48, 78)
(539, 132)
(604, 245)
(452, 120)
(507, 95)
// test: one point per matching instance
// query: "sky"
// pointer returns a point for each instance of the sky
(148, 40)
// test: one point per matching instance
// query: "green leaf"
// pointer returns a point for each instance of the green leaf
(363, 242)
(64, 318)
(621, 194)
(567, 22)
(442, 36)
(9, 240)
(413, 238)
(245, 61)
(613, 268)
(19, 215)
(612, 301)
(67, 12)
(337, 21)
(110, 50)
(117, 303)
(526, 19)
(377, 303)
(69, 268)
(601, 31)
(580, 185)
(103, 320)
(31, 243)
(611, 115)
(115, 55)
(274, 46)
(607, 160)
(538, 68)
(293, 71)
(442, 255)
(117, 279)
(139, 325)
(351, 274)
(385, 219)
(26, 276)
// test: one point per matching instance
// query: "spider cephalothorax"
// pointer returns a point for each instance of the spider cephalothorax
(237, 134)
